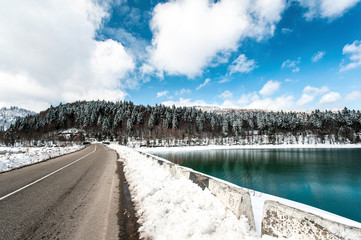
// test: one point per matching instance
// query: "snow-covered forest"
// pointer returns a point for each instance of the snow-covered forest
(162, 125)
(8, 116)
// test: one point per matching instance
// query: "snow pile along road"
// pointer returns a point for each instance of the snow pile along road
(170, 208)
(11, 158)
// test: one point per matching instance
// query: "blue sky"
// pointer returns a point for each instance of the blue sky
(264, 54)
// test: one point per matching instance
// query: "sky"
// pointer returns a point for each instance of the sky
(256, 54)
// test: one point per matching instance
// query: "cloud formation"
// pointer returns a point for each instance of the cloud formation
(187, 102)
(189, 34)
(353, 96)
(183, 91)
(255, 100)
(318, 56)
(310, 93)
(270, 88)
(50, 51)
(242, 65)
(354, 53)
(162, 93)
(278, 103)
(326, 8)
(203, 84)
(291, 64)
(226, 94)
(330, 97)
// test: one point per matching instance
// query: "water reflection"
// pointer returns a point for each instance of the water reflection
(327, 179)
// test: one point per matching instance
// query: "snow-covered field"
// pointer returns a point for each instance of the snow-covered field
(255, 146)
(170, 208)
(15, 157)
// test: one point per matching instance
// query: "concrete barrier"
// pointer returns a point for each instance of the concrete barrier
(280, 220)
(237, 200)
(183, 172)
(201, 180)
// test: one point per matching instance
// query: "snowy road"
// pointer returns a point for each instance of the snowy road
(70, 197)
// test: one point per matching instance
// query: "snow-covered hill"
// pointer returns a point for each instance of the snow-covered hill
(9, 115)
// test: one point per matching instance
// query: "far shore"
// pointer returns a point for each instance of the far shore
(226, 147)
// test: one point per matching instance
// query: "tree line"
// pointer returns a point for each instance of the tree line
(123, 120)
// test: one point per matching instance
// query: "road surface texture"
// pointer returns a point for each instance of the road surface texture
(82, 195)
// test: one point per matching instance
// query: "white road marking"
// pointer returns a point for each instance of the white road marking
(40, 179)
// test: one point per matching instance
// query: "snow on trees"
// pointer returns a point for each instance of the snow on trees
(123, 119)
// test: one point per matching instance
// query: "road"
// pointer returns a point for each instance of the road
(82, 195)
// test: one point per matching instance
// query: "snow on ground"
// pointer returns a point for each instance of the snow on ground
(170, 208)
(15, 157)
(255, 146)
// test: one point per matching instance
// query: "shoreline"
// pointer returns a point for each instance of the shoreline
(240, 147)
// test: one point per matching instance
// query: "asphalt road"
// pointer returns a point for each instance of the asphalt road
(82, 195)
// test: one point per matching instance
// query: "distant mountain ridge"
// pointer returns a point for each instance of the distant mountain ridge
(8, 116)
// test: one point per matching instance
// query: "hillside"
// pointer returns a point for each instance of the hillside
(162, 125)
(8, 116)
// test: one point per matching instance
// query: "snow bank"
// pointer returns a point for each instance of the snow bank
(170, 208)
(256, 146)
(15, 157)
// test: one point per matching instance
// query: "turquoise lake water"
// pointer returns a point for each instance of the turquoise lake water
(329, 179)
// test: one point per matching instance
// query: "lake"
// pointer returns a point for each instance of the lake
(329, 179)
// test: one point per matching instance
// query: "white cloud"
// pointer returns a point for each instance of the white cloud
(318, 56)
(220, 58)
(315, 91)
(22, 90)
(162, 93)
(279, 103)
(203, 84)
(289, 80)
(242, 65)
(134, 44)
(50, 49)
(224, 80)
(247, 98)
(189, 34)
(326, 8)
(183, 91)
(330, 97)
(354, 52)
(270, 88)
(296, 69)
(305, 98)
(226, 94)
(310, 93)
(228, 104)
(254, 101)
(286, 30)
(291, 64)
(110, 62)
(185, 102)
(352, 96)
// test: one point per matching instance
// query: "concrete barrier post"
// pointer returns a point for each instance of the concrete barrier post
(237, 200)
(280, 220)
